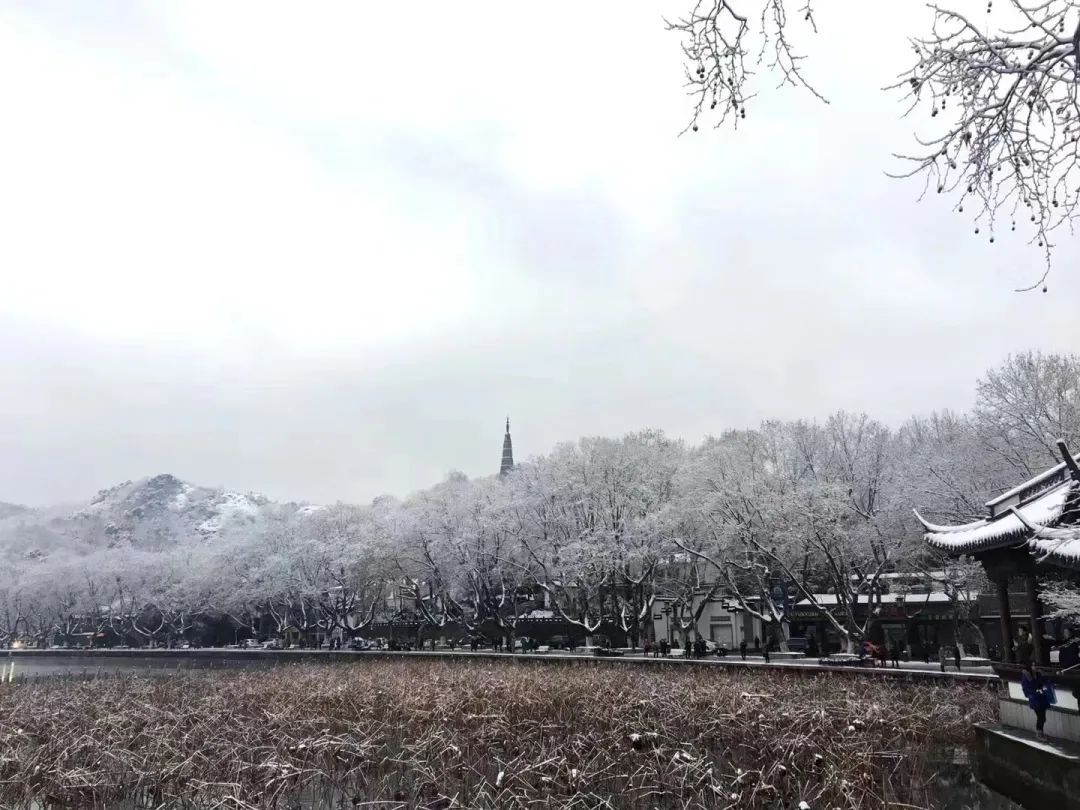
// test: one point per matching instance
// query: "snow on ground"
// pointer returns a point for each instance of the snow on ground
(905, 666)
(231, 507)
(181, 499)
(210, 525)
(1042, 745)
(233, 504)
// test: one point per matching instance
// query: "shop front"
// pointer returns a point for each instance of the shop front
(919, 624)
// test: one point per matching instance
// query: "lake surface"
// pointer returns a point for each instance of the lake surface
(958, 789)
(34, 663)
(83, 664)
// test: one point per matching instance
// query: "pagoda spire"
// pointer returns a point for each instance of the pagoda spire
(508, 452)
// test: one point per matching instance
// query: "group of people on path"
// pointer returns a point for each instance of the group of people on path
(660, 649)
(757, 644)
(882, 654)
(699, 648)
(663, 648)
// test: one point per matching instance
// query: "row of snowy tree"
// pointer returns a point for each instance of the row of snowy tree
(597, 530)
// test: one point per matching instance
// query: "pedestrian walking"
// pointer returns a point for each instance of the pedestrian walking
(1040, 695)
(665, 648)
(1025, 647)
(895, 652)
(688, 648)
(956, 656)
(742, 649)
(765, 652)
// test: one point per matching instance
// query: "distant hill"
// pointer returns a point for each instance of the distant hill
(150, 514)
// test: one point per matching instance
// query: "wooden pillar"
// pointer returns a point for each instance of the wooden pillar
(1008, 654)
(1041, 654)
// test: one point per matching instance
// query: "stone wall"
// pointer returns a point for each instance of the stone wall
(1035, 775)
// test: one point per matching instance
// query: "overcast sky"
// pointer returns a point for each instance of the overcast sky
(321, 251)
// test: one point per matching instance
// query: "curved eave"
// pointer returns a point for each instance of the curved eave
(955, 544)
(1010, 530)
(935, 528)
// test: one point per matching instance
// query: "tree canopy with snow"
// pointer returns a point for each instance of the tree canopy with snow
(594, 533)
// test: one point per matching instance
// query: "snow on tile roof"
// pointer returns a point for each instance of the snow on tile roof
(1066, 552)
(980, 535)
(829, 599)
(1061, 544)
(540, 614)
(1019, 489)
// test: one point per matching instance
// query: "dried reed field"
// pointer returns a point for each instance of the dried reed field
(442, 734)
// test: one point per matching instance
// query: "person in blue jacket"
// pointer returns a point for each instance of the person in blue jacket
(1038, 691)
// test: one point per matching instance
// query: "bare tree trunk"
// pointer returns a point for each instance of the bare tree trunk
(980, 639)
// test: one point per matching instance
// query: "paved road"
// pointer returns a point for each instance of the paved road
(905, 666)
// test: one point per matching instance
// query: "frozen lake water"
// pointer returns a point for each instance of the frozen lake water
(958, 788)
(43, 663)
(35, 666)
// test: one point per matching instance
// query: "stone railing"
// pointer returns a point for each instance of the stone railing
(1062, 719)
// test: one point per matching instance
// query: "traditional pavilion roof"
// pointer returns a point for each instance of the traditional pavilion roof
(1032, 515)
(1063, 549)
(1006, 530)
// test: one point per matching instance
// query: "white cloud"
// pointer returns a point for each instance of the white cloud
(137, 208)
(319, 251)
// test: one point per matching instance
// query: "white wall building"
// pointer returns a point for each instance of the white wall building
(716, 623)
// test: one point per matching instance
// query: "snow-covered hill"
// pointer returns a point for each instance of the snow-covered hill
(150, 514)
